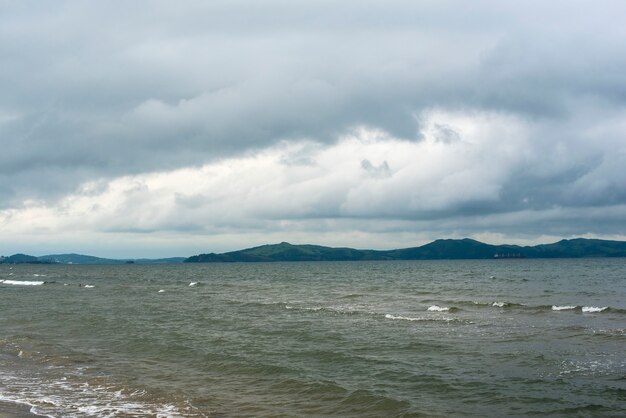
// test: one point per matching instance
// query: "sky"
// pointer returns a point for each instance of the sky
(159, 128)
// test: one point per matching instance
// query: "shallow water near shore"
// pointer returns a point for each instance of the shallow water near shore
(410, 338)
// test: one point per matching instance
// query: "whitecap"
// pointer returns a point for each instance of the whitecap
(421, 318)
(563, 308)
(404, 318)
(499, 304)
(22, 283)
(89, 286)
(193, 284)
(437, 308)
(161, 291)
(591, 309)
(39, 275)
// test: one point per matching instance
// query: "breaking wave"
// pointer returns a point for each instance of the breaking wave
(594, 309)
(437, 308)
(587, 309)
(426, 319)
(563, 307)
(23, 282)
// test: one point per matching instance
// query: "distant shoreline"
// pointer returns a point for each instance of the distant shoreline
(442, 249)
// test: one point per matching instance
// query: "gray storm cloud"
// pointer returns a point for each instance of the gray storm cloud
(91, 92)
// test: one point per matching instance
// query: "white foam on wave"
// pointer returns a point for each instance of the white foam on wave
(89, 286)
(331, 309)
(591, 309)
(421, 318)
(193, 284)
(22, 283)
(499, 304)
(437, 308)
(600, 367)
(64, 398)
(563, 308)
(39, 275)
(404, 318)
(161, 291)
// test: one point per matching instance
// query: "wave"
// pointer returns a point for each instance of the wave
(406, 318)
(192, 284)
(342, 310)
(300, 308)
(424, 318)
(359, 310)
(473, 303)
(593, 309)
(58, 384)
(610, 332)
(563, 307)
(23, 282)
(63, 397)
(437, 308)
(615, 310)
(586, 309)
(541, 308)
(507, 304)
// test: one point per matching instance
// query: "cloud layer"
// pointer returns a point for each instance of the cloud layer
(387, 124)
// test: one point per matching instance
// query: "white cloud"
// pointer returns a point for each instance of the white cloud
(305, 190)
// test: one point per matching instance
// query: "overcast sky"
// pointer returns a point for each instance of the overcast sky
(160, 128)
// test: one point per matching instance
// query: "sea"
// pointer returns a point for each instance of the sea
(510, 337)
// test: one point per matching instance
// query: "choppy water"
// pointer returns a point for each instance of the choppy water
(426, 338)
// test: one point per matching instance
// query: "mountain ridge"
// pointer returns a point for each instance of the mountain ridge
(73, 258)
(441, 249)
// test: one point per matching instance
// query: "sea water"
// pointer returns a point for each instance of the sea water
(349, 339)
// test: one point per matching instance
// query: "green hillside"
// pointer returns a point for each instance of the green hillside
(444, 249)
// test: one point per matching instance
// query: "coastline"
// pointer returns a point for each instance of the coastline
(15, 410)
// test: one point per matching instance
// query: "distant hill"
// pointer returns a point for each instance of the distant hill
(289, 252)
(89, 259)
(450, 249)
(22, 259)
(443, 249)
(83, 259)
(78, 259)
(580, 247)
